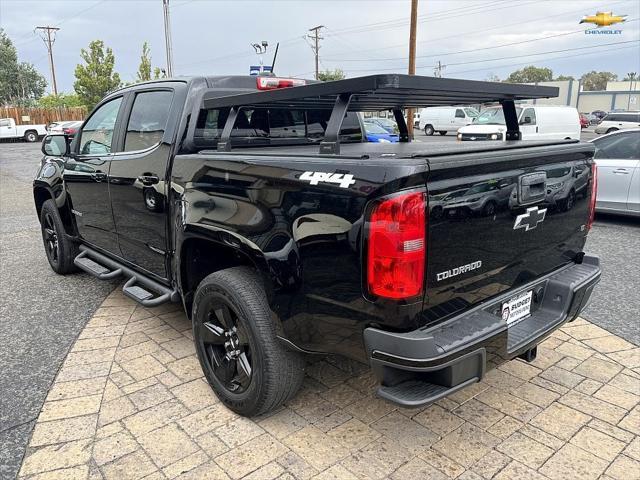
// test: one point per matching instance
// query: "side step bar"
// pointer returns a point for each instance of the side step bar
(139, 287)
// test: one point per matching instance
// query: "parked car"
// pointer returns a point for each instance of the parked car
(376, 134)
(593, 120)
(537, 122)
(599, 114)
(584, 121)
(564, 184)
(618, 121)
(71, 128)
(55, 128)
(389, 125)
(618, 159)
(29, 133)
(445, 119)
(283, 233)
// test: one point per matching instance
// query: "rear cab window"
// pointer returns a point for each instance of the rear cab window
(272, 127)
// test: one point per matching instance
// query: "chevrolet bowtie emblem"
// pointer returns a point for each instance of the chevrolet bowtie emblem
(603, 19)
(531, 219)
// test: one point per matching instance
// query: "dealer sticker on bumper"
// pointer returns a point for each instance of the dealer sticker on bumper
(517, 308)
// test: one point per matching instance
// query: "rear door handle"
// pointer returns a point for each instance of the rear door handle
(623, 171)
(149, 179)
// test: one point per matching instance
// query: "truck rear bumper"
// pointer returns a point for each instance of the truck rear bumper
(419, 367)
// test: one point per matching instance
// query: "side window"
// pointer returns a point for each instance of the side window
(621, 146)
(531, 114)
(148, 120)
(459, 113)
(97, 135)
(5, 123)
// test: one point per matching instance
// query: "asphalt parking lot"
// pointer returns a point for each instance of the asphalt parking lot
(43, 313)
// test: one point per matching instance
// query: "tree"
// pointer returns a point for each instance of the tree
(144, 70)
(597, 80)
(630, 77)
(60, 100)
(329, 75)
(20, 83)
(492, 77)
(561, 78)
(530, 74)
(96, 78)
(159, 73)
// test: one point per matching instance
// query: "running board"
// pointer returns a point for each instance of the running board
(138, 287)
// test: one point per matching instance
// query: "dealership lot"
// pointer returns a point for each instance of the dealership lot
(35, 341)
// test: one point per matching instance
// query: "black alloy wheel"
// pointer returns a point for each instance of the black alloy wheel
(58, 246)
(50, 238)
(244, 362)
(227, 347)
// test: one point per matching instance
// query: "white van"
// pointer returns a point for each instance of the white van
(537, 122)
(445, 119)
(618, 121)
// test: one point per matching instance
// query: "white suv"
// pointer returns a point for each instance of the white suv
(618, 121)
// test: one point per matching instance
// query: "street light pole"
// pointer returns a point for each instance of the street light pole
(412, 57)
(167, 37)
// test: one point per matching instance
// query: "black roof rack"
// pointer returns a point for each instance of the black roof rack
(378, 92)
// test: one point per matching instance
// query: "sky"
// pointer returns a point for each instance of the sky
(474, 39)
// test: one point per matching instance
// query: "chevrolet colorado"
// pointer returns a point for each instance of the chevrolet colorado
(257, 204)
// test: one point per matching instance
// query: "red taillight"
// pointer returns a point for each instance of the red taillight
(396, 246)
(594, 193)
(272, 83)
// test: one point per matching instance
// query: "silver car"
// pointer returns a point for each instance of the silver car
(618, 160)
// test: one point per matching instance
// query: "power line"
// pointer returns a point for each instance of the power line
(547, 60)
(504, 58)
(493, 47)
(471, 32)
(49, 43)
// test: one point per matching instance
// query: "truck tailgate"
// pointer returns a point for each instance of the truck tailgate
(500, 219)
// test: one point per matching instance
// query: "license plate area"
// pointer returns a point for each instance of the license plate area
(517, 307)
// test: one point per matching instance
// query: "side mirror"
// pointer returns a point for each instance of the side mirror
(526, 121)
(56, 145)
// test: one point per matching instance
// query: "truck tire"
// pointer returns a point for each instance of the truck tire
(250, 371)
(428, 130)
(31, 136)
(60, 250)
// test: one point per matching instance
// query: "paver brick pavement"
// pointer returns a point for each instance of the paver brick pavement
(130, 402)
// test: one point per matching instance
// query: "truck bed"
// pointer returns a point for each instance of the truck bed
(396, 150)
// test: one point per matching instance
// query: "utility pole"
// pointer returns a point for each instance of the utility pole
(167, 37)
(437, 71)
(412, 57)
(316, 45)
(49, 41)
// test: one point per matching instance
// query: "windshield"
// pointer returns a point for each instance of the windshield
(471, 112)
(373, 128)
(493, 116)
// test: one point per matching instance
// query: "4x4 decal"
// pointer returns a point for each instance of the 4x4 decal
(344, 180)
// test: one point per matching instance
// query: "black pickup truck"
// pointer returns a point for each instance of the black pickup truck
(257, 203)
